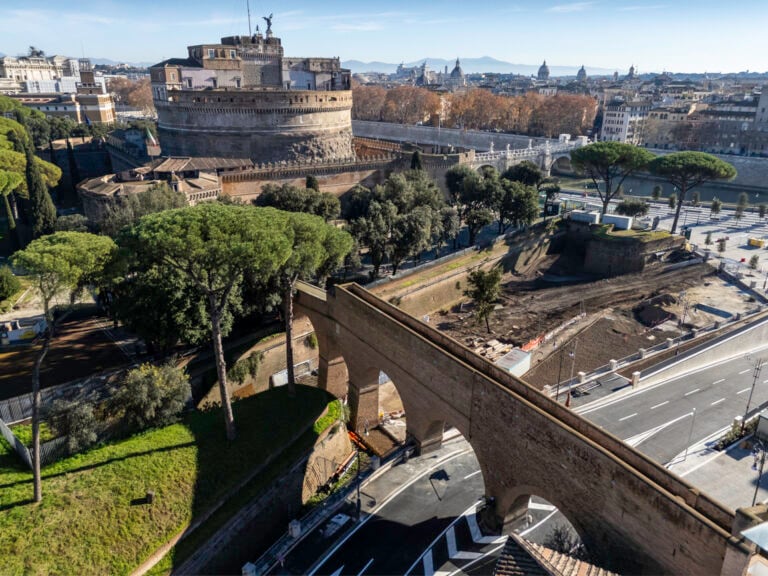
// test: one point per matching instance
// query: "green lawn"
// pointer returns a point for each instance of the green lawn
(92, 520)
(6, 304)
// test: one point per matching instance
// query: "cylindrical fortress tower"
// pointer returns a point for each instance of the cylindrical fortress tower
(242, 98)
(264, 125)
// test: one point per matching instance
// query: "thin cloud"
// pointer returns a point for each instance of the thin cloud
(639, 7)
(359, 27)
(37, 15)
(572, 7)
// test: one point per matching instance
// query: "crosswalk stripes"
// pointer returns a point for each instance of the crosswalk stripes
(462, 543)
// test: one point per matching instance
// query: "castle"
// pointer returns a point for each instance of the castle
(243, 98)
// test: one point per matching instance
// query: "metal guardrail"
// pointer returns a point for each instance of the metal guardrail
(575, 383)
(315, 517)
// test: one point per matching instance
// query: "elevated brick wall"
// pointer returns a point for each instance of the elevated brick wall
(633, 514)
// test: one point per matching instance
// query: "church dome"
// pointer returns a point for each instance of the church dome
(543, 71)
(581, 75)
(457, 72)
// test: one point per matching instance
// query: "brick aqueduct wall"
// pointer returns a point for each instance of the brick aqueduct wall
(632, 514)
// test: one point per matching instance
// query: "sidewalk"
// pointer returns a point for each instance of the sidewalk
(729, 476)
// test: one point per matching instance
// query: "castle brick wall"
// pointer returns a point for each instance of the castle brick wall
(264, 125)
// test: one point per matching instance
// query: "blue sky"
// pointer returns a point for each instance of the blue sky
(654, 35)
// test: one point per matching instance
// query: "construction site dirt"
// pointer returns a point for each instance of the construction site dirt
(580, 327)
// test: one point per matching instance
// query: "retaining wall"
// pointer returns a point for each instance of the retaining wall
(737, 343)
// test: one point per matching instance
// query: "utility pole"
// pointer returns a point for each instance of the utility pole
(573, 362)
(755, 376)
(690, 434)
(248, 6)
(559, 374)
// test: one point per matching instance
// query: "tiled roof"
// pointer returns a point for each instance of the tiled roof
(523, 558)
(183, 164)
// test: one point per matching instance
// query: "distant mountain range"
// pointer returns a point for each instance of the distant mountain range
(475, 65)
(108, 62)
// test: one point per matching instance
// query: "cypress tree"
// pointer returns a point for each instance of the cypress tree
(416, 161)
(42, 211)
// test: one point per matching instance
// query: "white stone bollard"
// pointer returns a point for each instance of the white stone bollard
(635, 379)
(614, 364)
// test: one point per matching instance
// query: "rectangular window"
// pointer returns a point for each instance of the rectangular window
(211, 53)
(233, 54)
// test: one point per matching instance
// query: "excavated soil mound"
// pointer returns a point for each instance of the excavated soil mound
(652, 313)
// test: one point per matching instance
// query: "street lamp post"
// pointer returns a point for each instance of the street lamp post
(682, 321)
(559, 374)
(755, 376)
(690, 434)
(358, 482)
(572, 354)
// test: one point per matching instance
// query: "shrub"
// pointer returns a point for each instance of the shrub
(672, 200)
(717, 204)
(762, 209)
(695, 198)
(152, 396)
(656, 194)
(632, 207)
(753, 261)
(743, 199)
(721, 245)
(311, 340)
(246, 367)
(77, 422)
(9, 284)
(72, 223)
(708, 239)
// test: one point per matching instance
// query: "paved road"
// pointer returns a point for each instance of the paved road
(391, 539)
(427, 513)
(659, 421)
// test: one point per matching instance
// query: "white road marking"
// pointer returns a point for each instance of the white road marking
(643, 436)
(718, 381)
(463, 555)
(468, 564)
(742, 391)
(450, 539)
(627, 417)
(765, 381)
(659, 405)
(338, 572)
(429, 569)
(537, 506)
(717, 402)
(532, 528)
(692, 392)
(387, 500)
(477, 535)
(472, 474)
(745, 371)
(365, 567)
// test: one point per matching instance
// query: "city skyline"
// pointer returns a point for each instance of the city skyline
(611, 35)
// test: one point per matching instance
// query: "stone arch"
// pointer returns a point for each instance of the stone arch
(332, 373)
(561, 165)
(514, 504)
(364, 386)
(483, 167)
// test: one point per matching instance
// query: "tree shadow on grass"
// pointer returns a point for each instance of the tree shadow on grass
(94, 465)
(274, 432)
